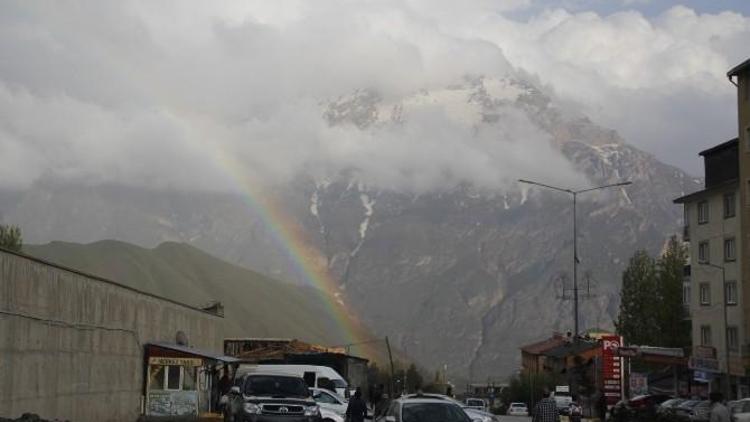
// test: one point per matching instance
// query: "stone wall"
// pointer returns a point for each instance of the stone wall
(71, 344)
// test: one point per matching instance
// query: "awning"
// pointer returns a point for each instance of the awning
(195, 352)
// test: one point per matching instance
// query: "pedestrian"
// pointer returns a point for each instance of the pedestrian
(602, 406)
(719, 412)
(575, 411)
(546, 409)
(356, 411)
(223, 387)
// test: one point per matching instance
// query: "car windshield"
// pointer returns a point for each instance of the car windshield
(475, 402)
(276, 386)
(339, 383)
(433, 412)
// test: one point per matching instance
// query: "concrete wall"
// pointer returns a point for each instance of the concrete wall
(71, 345)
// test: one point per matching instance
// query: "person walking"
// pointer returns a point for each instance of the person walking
(546, 409)
(719, 412)
(356, 411)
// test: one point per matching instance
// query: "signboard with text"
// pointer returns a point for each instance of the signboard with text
(612, 369)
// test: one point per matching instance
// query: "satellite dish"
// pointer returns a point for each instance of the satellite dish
(181, 338)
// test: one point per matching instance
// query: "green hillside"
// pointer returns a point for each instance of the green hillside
(255, 305)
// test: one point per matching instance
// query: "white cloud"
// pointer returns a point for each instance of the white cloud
(155, 93)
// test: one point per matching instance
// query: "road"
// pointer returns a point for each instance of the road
(514, 419)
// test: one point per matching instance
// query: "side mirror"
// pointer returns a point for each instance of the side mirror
(390, 419)
(234, 390)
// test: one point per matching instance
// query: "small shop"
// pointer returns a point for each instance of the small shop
(181, 380)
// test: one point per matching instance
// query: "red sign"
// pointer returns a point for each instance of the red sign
(612, 368)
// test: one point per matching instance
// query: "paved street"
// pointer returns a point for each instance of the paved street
(514, 419)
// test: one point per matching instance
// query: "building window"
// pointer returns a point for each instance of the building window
(686, 294)
(703, 212)
(733, 341)
(730, 250)
(705, 335)
(705, 293)
(703, 252)
(729, 205)
(731, 292)
(172, 377)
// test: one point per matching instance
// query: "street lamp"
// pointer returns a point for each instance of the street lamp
(574, 194)
(726, 325)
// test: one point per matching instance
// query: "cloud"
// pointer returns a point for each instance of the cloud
(158, 93)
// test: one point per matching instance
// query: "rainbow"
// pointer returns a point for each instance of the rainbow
(309, 263)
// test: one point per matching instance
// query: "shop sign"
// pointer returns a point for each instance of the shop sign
(175, 361)
(704, 364)
(612, 368)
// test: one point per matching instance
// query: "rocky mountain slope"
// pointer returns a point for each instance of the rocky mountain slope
(458, 276)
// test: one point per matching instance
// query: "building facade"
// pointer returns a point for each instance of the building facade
(740, 76)
(713, 229)
(717, 227)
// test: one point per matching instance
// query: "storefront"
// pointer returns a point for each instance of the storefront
(181, 381)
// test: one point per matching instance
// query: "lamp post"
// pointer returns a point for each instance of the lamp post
(574, 194)
(726, 325)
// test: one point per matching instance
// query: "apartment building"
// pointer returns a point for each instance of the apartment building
(712, 227)
(717, 225)
(740, 77)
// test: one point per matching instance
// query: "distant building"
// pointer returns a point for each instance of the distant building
(533, 356)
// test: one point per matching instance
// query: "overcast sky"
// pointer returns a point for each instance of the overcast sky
(160, 93)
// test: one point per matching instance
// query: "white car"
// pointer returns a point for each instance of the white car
(740, 410)
(477, 415)
(518, 409)
(423, 410)
(327, 399)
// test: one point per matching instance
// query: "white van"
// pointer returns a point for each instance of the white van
(314, 375)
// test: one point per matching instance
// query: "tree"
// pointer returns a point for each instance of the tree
(673, 326)
(638, 317)
(10, 238)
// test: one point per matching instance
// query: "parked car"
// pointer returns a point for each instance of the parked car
(740, 410)
(477, 415)
(476, 403)
(271, 397)
(423, 410)
(665, 411)
(643, 408)
(700, 412)
(328, 399)
(682, 411)
(518, 409)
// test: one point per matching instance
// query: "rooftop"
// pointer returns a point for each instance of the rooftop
(697, 195)
(739, 68)
(544, 345)
(722, 146)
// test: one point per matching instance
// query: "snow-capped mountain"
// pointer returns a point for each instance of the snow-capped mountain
(460, 275)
